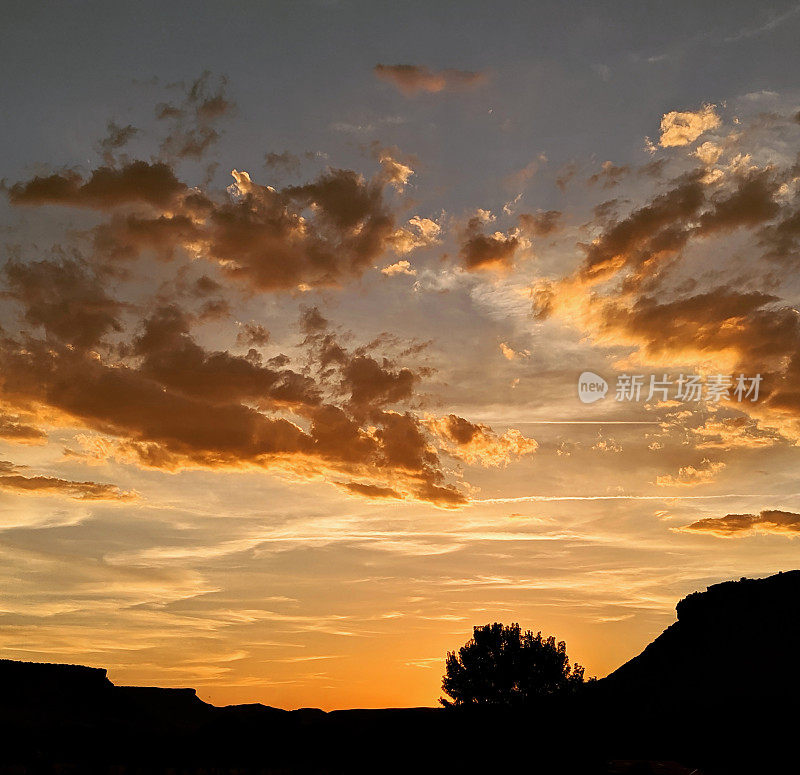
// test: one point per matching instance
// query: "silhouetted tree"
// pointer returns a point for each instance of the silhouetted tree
(505, 666)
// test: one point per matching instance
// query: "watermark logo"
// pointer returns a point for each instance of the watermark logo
(687, 387)
(591, 387)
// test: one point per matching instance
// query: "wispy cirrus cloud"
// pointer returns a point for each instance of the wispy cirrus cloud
(13, 481)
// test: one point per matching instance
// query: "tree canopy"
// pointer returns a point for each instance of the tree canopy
(505, 666)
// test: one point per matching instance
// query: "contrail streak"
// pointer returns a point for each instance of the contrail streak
(540, 498)
(578, 422)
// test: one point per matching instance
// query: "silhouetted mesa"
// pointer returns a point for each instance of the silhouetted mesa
(32, 683)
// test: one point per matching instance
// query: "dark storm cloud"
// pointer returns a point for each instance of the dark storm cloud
(487, 251)
(171, 403)
(138, 182)
(317, 234)
(781, 239)
(371, 383)
(268, 243)
(252, 335)
(126, 236)
(169, 354)
(541, 224)
(205, 285)
(690, 209)
(65, 298)
(312, 320)
(117, 137)
(484, 249)
(660, 227)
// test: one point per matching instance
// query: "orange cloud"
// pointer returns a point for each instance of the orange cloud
(478, 444)
(412, 79)
(497, 251)
(688, 476)
(643, 243)
(638, 287)
(738, 525)
(315, 234)
(169, 403)
(11, 429)
(684, 127)
(734, 433)
(370, 490)
(399, 267)
(51, 485)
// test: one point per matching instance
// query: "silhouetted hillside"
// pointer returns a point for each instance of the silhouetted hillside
(734, 643)
(715, 693)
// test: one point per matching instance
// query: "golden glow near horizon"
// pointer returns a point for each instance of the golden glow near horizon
(284, 420)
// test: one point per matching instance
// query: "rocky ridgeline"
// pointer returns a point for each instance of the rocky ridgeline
(716, 691)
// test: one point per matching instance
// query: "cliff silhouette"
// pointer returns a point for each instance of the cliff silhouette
(735, 642)
(715, 693)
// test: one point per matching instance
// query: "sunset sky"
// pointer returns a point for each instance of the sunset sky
(295, 299)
